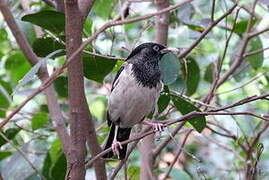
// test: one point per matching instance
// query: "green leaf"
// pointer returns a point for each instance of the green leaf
(195, 27)
(88, 27)
(208, 76)
(117, 66)
(61, 86)
(55, 150)
(178, 85)
(256, 60)
(39, 120)
(51, 20)
(186, 107)
(134, 172)
(30, 75)
(58, 169)
(102, 134)
(96, 68)
(103, 8)
(52, 160)
(46, 166)
(4, 43)
(10, 134)
(17, 66)
(4, 155)
(33, 176)
(241, 27)
(3, 35)
(44, 46)
(192, 76)
(170, 67)
(5, 99)
(163, 100)
(28, 30)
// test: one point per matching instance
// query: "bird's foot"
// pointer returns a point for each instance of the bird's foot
(156, 126)
(115, 145)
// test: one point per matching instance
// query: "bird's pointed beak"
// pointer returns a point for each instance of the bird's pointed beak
(170, 50)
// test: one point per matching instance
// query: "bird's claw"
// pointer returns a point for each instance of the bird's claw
(115, 149)
(156, 126)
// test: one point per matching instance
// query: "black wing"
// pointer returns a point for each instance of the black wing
(117, 76)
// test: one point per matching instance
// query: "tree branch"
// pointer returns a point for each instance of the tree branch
(81, 124)
(85, 6)
(60, 5)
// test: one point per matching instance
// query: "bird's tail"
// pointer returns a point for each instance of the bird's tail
(122, 135)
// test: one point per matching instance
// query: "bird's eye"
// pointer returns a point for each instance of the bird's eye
(156, 48)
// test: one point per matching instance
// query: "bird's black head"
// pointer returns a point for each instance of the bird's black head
(145, 59)
(147, 52)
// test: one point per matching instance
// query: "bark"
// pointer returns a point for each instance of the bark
(85, 7)
(81, 125)
(60, 5)
(162, 22)
(79, 113)
(147, 156)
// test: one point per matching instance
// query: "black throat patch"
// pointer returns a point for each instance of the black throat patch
(148, 73)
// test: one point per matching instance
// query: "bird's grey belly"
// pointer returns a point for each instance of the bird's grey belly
(130, 102)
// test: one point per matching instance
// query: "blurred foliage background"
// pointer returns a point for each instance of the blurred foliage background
(206, 155)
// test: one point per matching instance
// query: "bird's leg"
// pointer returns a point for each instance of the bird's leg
(116, 143)
(155, 126)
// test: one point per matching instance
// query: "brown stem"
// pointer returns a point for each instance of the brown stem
(60, 5)
(81, 125)
(85, 6)
(162, 22)
(79, 113)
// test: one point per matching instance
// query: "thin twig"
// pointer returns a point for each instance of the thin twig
(255, 52)
(213, 10)
(243, 85)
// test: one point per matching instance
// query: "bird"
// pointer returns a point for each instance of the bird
(134, 94)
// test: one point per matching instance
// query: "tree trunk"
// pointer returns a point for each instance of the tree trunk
(79, 113)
